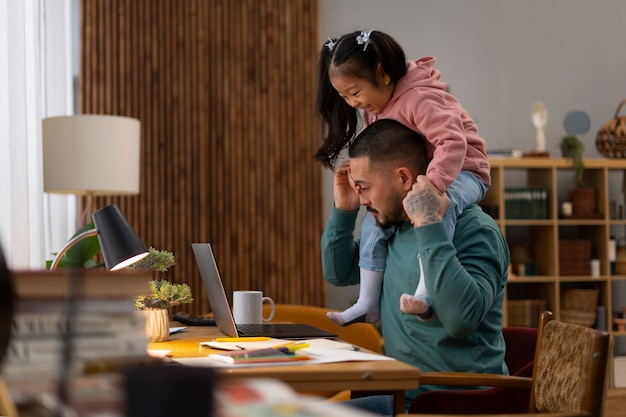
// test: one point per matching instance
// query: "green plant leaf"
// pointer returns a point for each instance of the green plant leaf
(157, 260)
(82, 254)
(573, 148)
(164, 294)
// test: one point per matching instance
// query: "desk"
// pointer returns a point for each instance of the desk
(392, 376)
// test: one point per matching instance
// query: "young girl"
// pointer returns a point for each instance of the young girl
(368, 71)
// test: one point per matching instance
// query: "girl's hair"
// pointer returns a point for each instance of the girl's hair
(357, 58)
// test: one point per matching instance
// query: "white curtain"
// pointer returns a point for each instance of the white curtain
(22, 105)
(60, 62)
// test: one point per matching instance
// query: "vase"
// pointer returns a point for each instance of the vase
(157, 325)
(584, 202)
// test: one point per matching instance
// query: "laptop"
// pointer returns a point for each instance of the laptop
(205, 259)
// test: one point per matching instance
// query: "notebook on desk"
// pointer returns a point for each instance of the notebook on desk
(205, 259)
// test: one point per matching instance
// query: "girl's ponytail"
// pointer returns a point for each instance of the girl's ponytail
(338, 119)
(355, 54)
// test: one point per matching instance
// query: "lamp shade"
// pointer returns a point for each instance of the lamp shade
(120, 244)
(91, 154)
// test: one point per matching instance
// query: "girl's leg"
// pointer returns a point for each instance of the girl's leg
(467, 189)
(418, 303)
(367, 308)
(372, 259)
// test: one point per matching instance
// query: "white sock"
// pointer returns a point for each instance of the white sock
(419, 303)
(367, 308)
(421, 292)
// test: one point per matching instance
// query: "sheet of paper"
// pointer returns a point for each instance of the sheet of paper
(174, 330)
(319, 350)
(212, 363)
(158, 353)
(244, 345)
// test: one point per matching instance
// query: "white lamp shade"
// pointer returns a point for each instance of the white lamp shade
(91, 154)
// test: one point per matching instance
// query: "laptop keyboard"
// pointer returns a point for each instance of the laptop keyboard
(265, 329)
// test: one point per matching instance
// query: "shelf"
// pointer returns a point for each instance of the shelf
(536, 242)
(530, 278)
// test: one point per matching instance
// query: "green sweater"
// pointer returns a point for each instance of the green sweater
(465, 282)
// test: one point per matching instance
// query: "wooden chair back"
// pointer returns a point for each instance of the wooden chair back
(364, 335)
(570, 371)
(569, 377)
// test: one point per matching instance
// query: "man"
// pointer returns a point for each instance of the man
(465, 278)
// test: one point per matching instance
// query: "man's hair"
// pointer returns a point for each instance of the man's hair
(389, 143)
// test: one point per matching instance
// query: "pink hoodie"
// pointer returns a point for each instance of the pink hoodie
(420, 102)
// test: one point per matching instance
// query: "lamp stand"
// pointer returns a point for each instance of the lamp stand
(88, 210)
(68, 246)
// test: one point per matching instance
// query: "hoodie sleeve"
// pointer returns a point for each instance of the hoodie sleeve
(442, 126)
(438, 117)
(421, 102)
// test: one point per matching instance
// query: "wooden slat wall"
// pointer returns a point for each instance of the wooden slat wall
(224, 90)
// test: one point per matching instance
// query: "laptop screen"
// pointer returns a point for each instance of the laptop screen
(223, 315)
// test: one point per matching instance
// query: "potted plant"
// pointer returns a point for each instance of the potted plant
(573, 148)
(82, 254)
(163, 295)
(157, 260)
(583, 198)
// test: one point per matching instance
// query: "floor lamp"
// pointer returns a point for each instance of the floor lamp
(91, 155)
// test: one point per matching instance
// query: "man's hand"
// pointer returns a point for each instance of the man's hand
(344, 193)
(424, 204)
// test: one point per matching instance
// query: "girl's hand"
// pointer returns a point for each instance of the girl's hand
(344, 192)
(424, 204)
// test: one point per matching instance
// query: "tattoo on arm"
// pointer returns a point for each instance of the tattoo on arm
(423, 204)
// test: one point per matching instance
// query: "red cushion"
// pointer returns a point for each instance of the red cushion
(519, 356)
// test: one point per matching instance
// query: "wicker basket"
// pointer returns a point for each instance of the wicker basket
(579, 306)
(611, 138)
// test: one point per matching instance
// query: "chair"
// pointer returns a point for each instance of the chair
(364, 335)
(520, 353)
(569, 377)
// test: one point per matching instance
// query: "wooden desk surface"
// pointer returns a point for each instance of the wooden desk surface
(372, 375)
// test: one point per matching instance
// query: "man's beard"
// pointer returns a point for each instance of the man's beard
(395, 216)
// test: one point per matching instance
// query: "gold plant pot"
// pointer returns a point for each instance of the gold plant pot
(157, 324)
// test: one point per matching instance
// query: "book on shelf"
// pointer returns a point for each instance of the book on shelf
(69, 323)
(505, 153)
(54, 323)
(96, 283)
(526, 203)
(89, 395)
(43, 350)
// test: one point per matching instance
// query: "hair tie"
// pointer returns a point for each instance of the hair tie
(364, 39)
(330, 44)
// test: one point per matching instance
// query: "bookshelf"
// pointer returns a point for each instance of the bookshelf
(551, 253)
(73, 333)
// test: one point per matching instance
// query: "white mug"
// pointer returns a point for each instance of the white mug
(248, 307)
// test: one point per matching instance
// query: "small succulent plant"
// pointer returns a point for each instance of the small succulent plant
(163, 294)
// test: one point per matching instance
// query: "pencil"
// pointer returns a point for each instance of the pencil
(242, 339)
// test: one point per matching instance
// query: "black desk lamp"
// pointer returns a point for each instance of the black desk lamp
(121, 247)
(120, 244)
